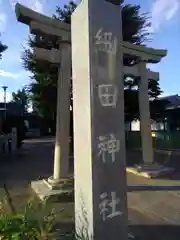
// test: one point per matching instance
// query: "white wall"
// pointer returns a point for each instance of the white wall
(135, 126)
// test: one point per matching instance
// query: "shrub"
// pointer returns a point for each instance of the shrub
(31, 224)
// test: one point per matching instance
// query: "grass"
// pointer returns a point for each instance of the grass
(64, 212)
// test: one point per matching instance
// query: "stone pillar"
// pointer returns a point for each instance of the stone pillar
(61, 155)
(145, 121)
(98, 110)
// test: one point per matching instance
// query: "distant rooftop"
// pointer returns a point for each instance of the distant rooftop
(174, 101)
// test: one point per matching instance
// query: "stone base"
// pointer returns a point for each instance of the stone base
(46, 192)
(150, 170)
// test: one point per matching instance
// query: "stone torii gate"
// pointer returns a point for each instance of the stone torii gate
(52, 28)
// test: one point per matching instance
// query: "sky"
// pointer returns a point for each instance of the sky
(165, 31)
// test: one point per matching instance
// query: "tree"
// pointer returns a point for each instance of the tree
(2, 48)
(21, 97)
(135, 30)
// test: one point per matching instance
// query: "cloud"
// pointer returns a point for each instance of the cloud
(15, 81)
(162, 11)
(9, 74)
(36, 5)
(3, 21)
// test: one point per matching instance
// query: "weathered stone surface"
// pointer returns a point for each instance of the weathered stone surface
(150, 171)
(98, 121)
(45, 193)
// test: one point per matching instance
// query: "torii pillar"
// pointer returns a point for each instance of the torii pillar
(54, 30)
(145, 119)
(144, 55)
(61, 154)
(144, 75)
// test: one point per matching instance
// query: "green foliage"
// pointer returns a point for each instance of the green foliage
(26, 225)
(2, 48)
(44, 81)
(21, 97)
(135, 24)
(131, 99)
(34, 223)
(30, 224)
(64, 14)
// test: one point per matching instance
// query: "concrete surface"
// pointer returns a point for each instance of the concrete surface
(150, 170)
(152, 214)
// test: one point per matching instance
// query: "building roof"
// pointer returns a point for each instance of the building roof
(173, 101)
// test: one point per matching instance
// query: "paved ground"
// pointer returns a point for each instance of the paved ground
(152, 214)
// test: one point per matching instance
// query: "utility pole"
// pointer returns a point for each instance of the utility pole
(5, 92)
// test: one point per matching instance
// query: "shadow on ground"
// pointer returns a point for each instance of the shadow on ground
(156, 232)
(136, 232)
(34, 161)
